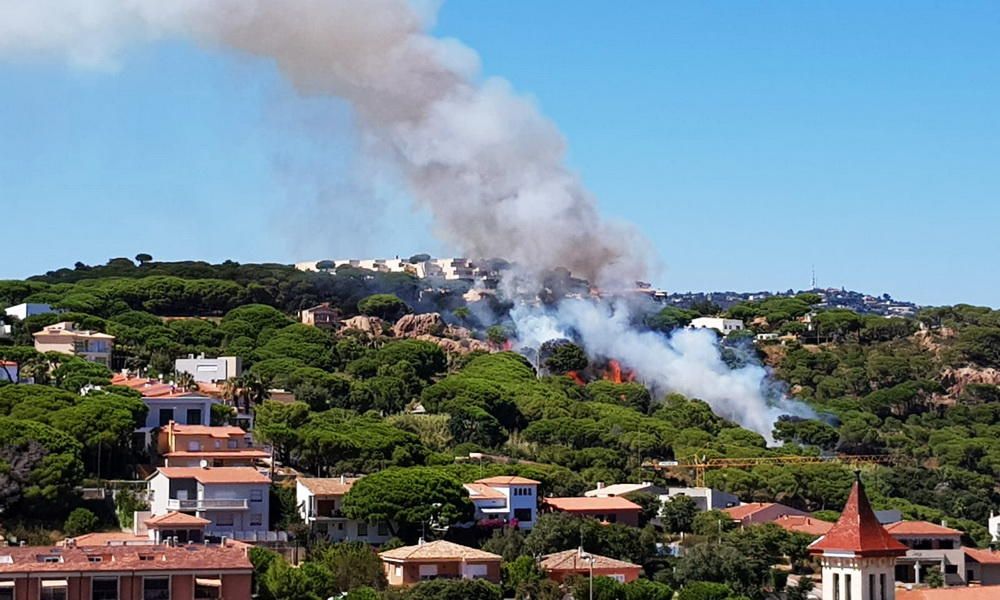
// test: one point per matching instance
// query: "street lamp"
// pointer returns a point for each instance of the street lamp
(590, 559)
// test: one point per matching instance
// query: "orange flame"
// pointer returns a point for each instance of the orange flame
(576, 377)
(616, 374)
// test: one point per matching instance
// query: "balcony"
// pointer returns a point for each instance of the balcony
(203, 505)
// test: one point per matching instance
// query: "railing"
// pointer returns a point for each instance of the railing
(210, 504)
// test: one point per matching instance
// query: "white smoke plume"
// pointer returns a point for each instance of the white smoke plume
(687, 362)
(482, 159)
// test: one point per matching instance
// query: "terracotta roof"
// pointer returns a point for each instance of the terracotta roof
(328, 486)
(192, 557)
(803, 524)
(905, 528)
(748, 509)
(438, 550)
(481, 491)
(858, 530)
(106, 538)
(7, 363)
(983, 557)
(570, 560)
(949, 593)
(614, 503)
(215, 475)
(222, 432)
(175, 519)
(508, 480)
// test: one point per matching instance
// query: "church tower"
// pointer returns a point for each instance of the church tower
(858, 555)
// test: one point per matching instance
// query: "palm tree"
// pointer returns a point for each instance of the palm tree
(255, 390)
(231, 391)
(185, 381)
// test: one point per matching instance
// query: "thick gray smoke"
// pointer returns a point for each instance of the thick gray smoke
(687, 362)
(488, 166)
(483, 160)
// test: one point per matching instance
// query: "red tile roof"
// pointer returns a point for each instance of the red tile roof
(192, 557)
(571, 560)
(438, 550)
(922, 528)
(949, 593)
(240, 453)
(222, 431)
(107, 538)
(738, 513)
(983, 557)
(481, 491)
(803, 524)
(585, 504)
(215, 475)
(328, 486)
(507, 480)
(176, 519)
(858, 530)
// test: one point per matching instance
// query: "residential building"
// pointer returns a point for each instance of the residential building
(565, 564)
(723, 326)
(189, 445)
(233, 499)
(982, 567)
(857, 555)
(320, 499)
(947, 593)
(607, 510)
(28, 309)
(509, 498)
(928, 546)
(182, 527)
(410, 565)
(9, 371)
(623, 489)
(761, 512)
(322, 316)
(994, 527)
(151, 572)
(209, 370)
(705, 498)
(65, 338)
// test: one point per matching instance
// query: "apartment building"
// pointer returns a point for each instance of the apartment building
(510, 499)
(190, 445)
(320, 499)
(149, 572)
(234, 500)
(65, 338)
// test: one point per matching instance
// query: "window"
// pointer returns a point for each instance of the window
(951, 569)
(256, 495)
(618, 577)
(256, 519)
(194, 416)
(207, 589)
(166, 416)
(522, 514)
(104, 589)
(224, 519)
(836, 586)
(194, 446)
(871, 587)
(6, 590)
(362, 529)
(232, 444)
(53, 590)
(881, 586)
(383, 529)
(847, 586)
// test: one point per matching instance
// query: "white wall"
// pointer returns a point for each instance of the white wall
(23, 311)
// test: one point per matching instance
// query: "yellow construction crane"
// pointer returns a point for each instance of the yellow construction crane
(701, 464)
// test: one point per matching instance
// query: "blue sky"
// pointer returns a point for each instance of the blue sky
(749, 141)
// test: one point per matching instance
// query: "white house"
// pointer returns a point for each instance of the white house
(508, 498)
(24, 310)
(622, 489)
(183, 408)
(234, 500)
(320, 499)
(209, 370)
(706, 498)
(723, 326)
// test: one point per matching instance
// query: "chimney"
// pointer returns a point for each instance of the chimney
(600, 486)
(343, 479)
(421, 541)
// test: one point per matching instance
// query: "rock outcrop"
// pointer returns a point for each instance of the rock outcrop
(419, 325)
(372, 326)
